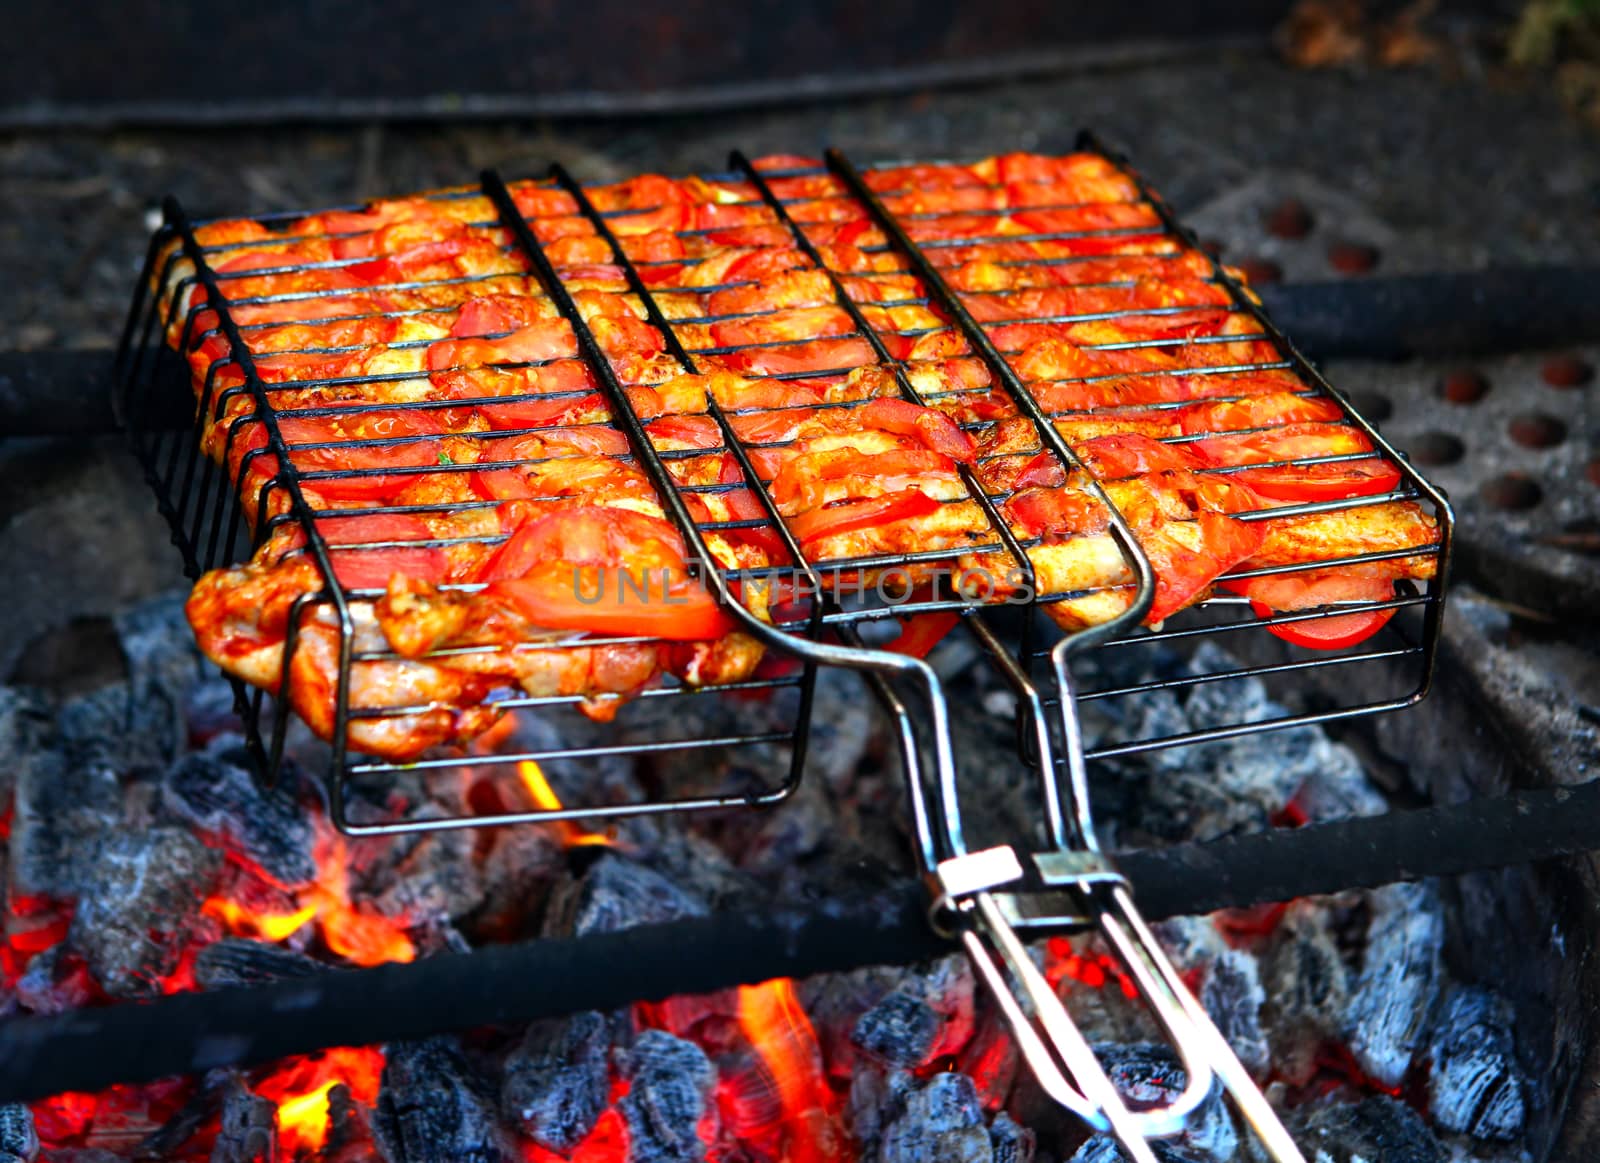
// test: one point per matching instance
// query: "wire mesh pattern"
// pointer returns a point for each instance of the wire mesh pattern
(318, 352)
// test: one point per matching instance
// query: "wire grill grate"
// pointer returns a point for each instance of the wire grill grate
(183, 306)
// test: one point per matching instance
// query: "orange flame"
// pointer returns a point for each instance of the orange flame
(242, 922)
(360, 937)
(544, 797)
(301, 1091)
(772, 1018)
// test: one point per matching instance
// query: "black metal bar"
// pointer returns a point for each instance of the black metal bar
(88, 1049)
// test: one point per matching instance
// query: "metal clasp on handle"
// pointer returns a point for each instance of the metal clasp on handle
(989, 898)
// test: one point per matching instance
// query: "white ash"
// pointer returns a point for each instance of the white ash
(1476, 1085)
(1233, 996)
(19, 1142)
(1400, 977)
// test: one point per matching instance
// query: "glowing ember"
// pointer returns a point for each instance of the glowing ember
(243, 922)
(545, 798)
(303, 1121)
(300, 1088)
(358, 936)
(772, 1018)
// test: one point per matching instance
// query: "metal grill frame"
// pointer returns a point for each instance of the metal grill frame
(203, 490)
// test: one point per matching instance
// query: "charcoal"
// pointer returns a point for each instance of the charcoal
(168, 1140)
(1150, 1075)
(348, 1128)
(1233, 996)
(1398, 982)
(556, 1084)
(1306, 987)
(899, 1031)
(1475, 1085)
(1378, 1128)
(436, 874)
(876, 1100)
(1104, 1149)
(61, 810)
(941, 1123)
(163, 665)
(54, 982)
(430, 1109)
(617, 893)
(1190, 942)
(671, 1085)
(140, 897)
(19, 1142)
(266, 825)
(1338, 787)
(1233, 700)
(702, 867)
(1010, 1143)
(26, 725)
(249, 1131)
(236, 961)
(928, 1014)
(521, 866)
(842, 727)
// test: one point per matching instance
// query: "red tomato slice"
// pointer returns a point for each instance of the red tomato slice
(744, 505)
(1291, 592)
(1056, 514)
(609, 571)
(1181, 573)
(831, 520)
(675, 432)
(1129, 454)
(802, 481)
(922, 632)
(492, 315)
(764, 262)
(346, 457)
(1043, 471)
(544, 413)
(371, 567)
(932, 427)
(1263, 411)
(1302, 482)
(537, 342)
(1323, 482)
(818, 355)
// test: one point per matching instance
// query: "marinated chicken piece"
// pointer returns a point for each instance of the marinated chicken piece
(477, 498)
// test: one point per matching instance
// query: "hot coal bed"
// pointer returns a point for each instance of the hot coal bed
(143, 859)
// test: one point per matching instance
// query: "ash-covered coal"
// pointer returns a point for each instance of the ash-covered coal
(214, 792)
(1374, 1128)
(1393, 994)
(557, 1082)
(1475, 1085)
(249, 1131)
(671, 1081)
(432, 1110)
(19, 1141)
(135, 914)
